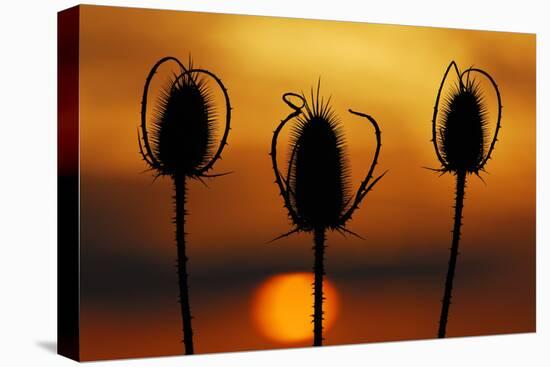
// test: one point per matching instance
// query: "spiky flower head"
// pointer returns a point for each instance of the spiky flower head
(316, 190)
(318, 167)
(182, 140)
(184, 125)
(460, 137)
(463, 129)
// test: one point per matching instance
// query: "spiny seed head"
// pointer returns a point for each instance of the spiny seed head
(318, 167)
(183, 125)
(462, 132)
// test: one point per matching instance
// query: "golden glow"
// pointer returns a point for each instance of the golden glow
(283, 306)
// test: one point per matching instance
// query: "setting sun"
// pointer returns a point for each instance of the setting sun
(283, 306)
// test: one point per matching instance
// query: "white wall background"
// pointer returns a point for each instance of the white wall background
(28, 183)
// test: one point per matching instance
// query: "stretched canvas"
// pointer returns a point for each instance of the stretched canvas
(236, 183)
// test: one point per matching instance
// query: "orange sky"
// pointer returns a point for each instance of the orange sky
(389, 72)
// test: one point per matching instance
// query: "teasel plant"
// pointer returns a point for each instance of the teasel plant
(316, 189)
(463, 146)
(181, 146)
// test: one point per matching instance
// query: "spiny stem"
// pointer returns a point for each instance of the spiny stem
(319, 270)
(459, 204)
(179, 185)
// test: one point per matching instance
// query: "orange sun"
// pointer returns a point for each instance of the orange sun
(283, 305)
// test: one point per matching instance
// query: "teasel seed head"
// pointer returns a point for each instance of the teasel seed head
(184, 125)
(183, 133)
(463, 128)
(316, 189)
(460, 137)
(318, 165)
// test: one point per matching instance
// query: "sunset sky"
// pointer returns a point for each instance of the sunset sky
(388, 286)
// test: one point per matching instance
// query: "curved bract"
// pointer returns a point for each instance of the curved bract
(145, 148)
(279, 180)
(499, 113)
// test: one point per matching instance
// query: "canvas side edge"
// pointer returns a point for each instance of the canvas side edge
(68, 216)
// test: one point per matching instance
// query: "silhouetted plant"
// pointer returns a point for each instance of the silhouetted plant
(182, 146)
(461, 143)
(316, 189)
